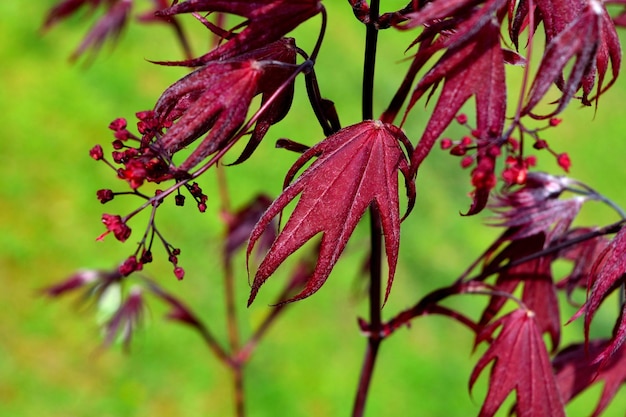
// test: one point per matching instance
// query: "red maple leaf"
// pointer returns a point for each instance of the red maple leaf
(609, 274)
(473, 65)
(267, 21)
(109, 25)
(520, 363)
(582, 256)
(577, 368)
(356, 167)
(217, 97)
(582, 31)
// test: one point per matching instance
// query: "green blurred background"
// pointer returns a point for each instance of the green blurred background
(53, 112)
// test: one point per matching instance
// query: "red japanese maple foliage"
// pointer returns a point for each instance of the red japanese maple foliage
(460, 46)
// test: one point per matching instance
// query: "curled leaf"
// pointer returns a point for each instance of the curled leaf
(267, 21)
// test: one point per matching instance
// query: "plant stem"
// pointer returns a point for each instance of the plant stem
(374, 339)
(233, 337)
(369, 64)
(373, 342)
(236, 367)
(237, 371)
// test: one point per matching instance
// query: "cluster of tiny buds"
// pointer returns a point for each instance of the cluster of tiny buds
(136, 262)
(516, 165)
(142, 164)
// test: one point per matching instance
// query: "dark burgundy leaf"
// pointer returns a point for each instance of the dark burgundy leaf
(474, 67)
(530, 220)
(577, 368)
(609, 272)
(109, 25)
(539, 293)
(268, 21)
(356, 167)
(217, 97)
(584, 32)
(583, 256)
(534, 207)
(468, 18)
(520, 364)
(241, 223)
(272, 80)
(513, 58)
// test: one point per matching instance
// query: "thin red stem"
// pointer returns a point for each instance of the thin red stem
(373, 342)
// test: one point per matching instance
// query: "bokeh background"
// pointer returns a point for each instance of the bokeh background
(52, 112)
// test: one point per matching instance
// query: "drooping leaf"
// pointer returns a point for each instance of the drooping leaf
(109, 25)
(578, 31)
(520, 364)
(530, 220)
(267, 21)
(216, 97)
(582, 255)
(467, 17)
(535, 207)
(355, 167)
(577, 368)
(240, 224)
(609, 272)
(473, 67)
(66, 8)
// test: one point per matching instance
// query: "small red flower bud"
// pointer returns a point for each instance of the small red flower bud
(145, 115)
(555, 121)
(467, 161)
(540, 144)
(564, 161)
(114, 224)
(494, 151)
(458, 150)
(510, 160)
(202, 207)
(135, 173)
(105, 195)
(129, 266)
(118, 124)
(123, 134)
(179, 273)
(466, 140)
(195, 190)
(118, 157)
(179, 200)
(146, 257)
(446, 143)
(142, 127)
(173, 259)
(461, 118)
(96, 152)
